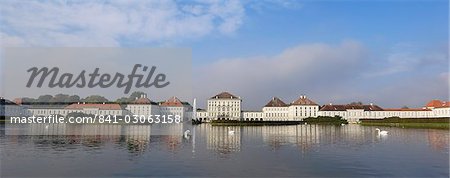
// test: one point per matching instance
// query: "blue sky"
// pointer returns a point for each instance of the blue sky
(392, 53)
(377, 24)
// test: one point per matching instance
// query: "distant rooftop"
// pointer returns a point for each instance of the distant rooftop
(437, 104)
(275, 102)
(173, 102)
(99, 106)
(224, 95)
(369, 107)
(303, 100)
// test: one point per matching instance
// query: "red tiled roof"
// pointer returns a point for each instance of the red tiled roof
(370, 107)
(435, 103)
(276, 102)
(446, 104)
(99, 106)
(303, 101)
(173, 102)
(406, 109)
(224, 95)
(142, 101)
(438, 104)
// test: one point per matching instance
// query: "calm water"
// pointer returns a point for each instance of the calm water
(304, 150)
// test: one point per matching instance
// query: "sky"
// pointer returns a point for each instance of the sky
(392, 53)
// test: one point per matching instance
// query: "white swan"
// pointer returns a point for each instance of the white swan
(230, 132)
(381, 132)
(187, 134)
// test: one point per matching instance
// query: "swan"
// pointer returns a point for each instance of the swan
(187, 134)
(381, 132)
(230, 132)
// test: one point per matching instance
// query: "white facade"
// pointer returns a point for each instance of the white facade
(352, 113)
(224, 106)
(277, 110)
(174, 106)
(202, 115)
(300, 112)
(441, 112)
(252, 116)
(48, 111)
(96, 109)
(276, 113)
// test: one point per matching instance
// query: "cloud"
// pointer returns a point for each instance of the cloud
(336, 73)
(297, 70)
(406, 57)
(108, 23)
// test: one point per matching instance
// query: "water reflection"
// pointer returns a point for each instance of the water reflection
(334, 144)
(218, 138)
(223, 139)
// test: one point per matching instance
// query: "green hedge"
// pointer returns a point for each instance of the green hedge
(326, 119)
(406, 120)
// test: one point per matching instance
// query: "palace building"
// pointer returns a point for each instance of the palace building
(224, 106)
(227, 106)
(354, 112)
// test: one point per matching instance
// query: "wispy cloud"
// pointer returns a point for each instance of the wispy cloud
(107, 23)
(406, 57)
(338, 73)
(298, 70)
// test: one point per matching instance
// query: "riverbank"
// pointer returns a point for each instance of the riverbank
(431, 123)
(336, 120)
(253, 123)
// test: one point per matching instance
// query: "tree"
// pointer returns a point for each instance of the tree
(28, 100)
(74, 98)
(95, 99)
(136, 94)
(131, 98)
(123, 100)
(356, 103)
(405, 107)
(44, 98)
(60, 98)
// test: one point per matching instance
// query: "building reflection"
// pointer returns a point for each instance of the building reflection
(224, 140)
(305, 137)
(438, 140)
(137, 137)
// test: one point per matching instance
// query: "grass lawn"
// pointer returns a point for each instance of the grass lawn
(434, 125)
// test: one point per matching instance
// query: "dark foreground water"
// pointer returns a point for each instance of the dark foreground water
(304, 150)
